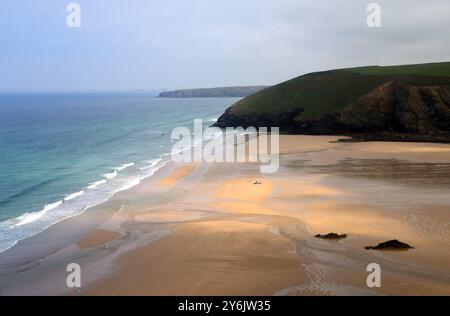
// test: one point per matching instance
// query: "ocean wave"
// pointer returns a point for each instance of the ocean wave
(95, 184)
(30, 224)
(154, 132)
(27, 190)
(115, 138)
(73, 196)
(124, 166)
(74, 204)
(111, 175)
(33, 216)
(151, 163)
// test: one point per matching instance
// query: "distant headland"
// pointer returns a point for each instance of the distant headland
(221, 92)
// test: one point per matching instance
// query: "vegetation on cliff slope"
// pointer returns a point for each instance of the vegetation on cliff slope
(364, 99)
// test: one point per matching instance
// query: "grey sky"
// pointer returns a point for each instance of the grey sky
(157, 44)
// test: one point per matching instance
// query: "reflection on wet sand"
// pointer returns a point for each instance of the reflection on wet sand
(225, 229)
(404, 172)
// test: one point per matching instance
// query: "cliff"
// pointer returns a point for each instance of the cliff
(409, 102)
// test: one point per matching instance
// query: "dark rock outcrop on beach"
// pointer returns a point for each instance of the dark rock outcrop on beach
(332, 236)
(390, 245)
(223, 92)
(407, 103)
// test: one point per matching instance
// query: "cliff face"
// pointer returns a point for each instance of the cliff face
(395, 108)
(400, 107)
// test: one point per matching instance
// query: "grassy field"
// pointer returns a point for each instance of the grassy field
(328, 92)
(432, 69)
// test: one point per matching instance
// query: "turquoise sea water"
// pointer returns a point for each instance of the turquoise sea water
(63, 153)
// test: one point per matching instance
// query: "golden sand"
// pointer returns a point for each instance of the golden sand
(168, 216)
(243, 208)
(207, 258)
(177, 175)
(260, 241)
(96, 238)
(245, 188)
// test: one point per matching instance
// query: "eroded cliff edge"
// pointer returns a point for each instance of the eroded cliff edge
(407, 103)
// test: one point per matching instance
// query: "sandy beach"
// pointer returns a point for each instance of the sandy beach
(215, 157)
(208, 229)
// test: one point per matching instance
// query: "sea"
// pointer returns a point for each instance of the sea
(63, 153)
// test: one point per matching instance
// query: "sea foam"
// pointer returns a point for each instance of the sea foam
(151, 163)
(110, 175)
(124, 166)
(74, 204)
(33, 216)
(93, 185)
(73, 195)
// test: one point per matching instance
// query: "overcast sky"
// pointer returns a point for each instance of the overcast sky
(170, 44)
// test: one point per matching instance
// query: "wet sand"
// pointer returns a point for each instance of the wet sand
(97, 238)
(208, 229)
(223, 257)
(177, 175)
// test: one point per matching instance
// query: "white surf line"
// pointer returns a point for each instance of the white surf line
(110, 175)
(124, 166)
(31, 217)
(95, 184)
(73, 196)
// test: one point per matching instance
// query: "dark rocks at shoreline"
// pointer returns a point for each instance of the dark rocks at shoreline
(443, 137)
(390, 245)
(331, 236)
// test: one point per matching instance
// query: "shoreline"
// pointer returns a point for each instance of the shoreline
(437, 138)
(264, 230)
(398, 137)
(105, 196)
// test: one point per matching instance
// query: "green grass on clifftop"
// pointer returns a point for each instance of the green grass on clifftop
(433, 69)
